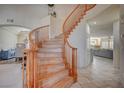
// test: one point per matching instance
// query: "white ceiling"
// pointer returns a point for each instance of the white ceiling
(102, 23)
(14, 29)
(37, 10)
(99, 31)
(22, 14)
(105, 17)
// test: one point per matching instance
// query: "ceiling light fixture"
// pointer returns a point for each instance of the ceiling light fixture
(94, 23)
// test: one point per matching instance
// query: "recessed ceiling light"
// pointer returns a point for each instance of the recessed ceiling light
(94, 22)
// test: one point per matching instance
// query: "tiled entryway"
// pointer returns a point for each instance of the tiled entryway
(10, 75)
(100, 74)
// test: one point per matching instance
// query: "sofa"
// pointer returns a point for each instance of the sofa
(0, 56)
(7, 54)
(107, 53)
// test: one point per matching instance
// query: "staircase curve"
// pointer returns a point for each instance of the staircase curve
(53, 62)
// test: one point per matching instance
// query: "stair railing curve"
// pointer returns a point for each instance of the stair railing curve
(69, 24)
(71, 21)
(32, 64)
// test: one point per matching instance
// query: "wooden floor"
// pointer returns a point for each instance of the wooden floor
(101, 74)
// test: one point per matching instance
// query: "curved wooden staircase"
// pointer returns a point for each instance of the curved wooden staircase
(53, 62)
(53, 72)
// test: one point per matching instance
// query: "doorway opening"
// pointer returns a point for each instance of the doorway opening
(103, 70)
(13, 41)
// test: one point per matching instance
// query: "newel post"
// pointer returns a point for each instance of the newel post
(74, 64)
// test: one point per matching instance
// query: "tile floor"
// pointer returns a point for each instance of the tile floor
(10, 76)
(100, 74)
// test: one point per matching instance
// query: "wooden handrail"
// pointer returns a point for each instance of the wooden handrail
(65, 40)
(70, 15)
(30, 34)
(82, 9)
(88, 8)
(32, 65)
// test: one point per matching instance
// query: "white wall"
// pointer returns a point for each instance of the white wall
(51, 21)
(122, 43)
(53, 27)
(102, 30)
(22, 36)
(7, 39)
(31, 15)
(78, 39)
(56, 23)
(116, 48)
(62, 11)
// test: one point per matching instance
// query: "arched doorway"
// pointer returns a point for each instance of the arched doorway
(10, 69)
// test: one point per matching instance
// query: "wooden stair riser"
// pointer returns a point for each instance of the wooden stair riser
(53, 68)
(50, 60)
(53, 46)
(60, 36)
(50, 54)
(56, 40)
(45, 74)
(54, 43)
(51, 50)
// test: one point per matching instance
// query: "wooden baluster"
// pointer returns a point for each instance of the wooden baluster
(29, 65)
(23, 76)
(35, 70)
(31, 69)
(69, 64)
(28, 70)
(85, 8)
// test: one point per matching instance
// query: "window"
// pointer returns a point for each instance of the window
(107, 42)
(102, 42)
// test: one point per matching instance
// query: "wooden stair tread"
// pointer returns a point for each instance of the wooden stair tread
(54, 74)
(52, 46)
(50, 60)
(46, 75)
(54, 43)
(64, 83)
(50, 54)
(49, 81)
(51, 66)
(52, 49)
(51, 63)
(55, 40)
